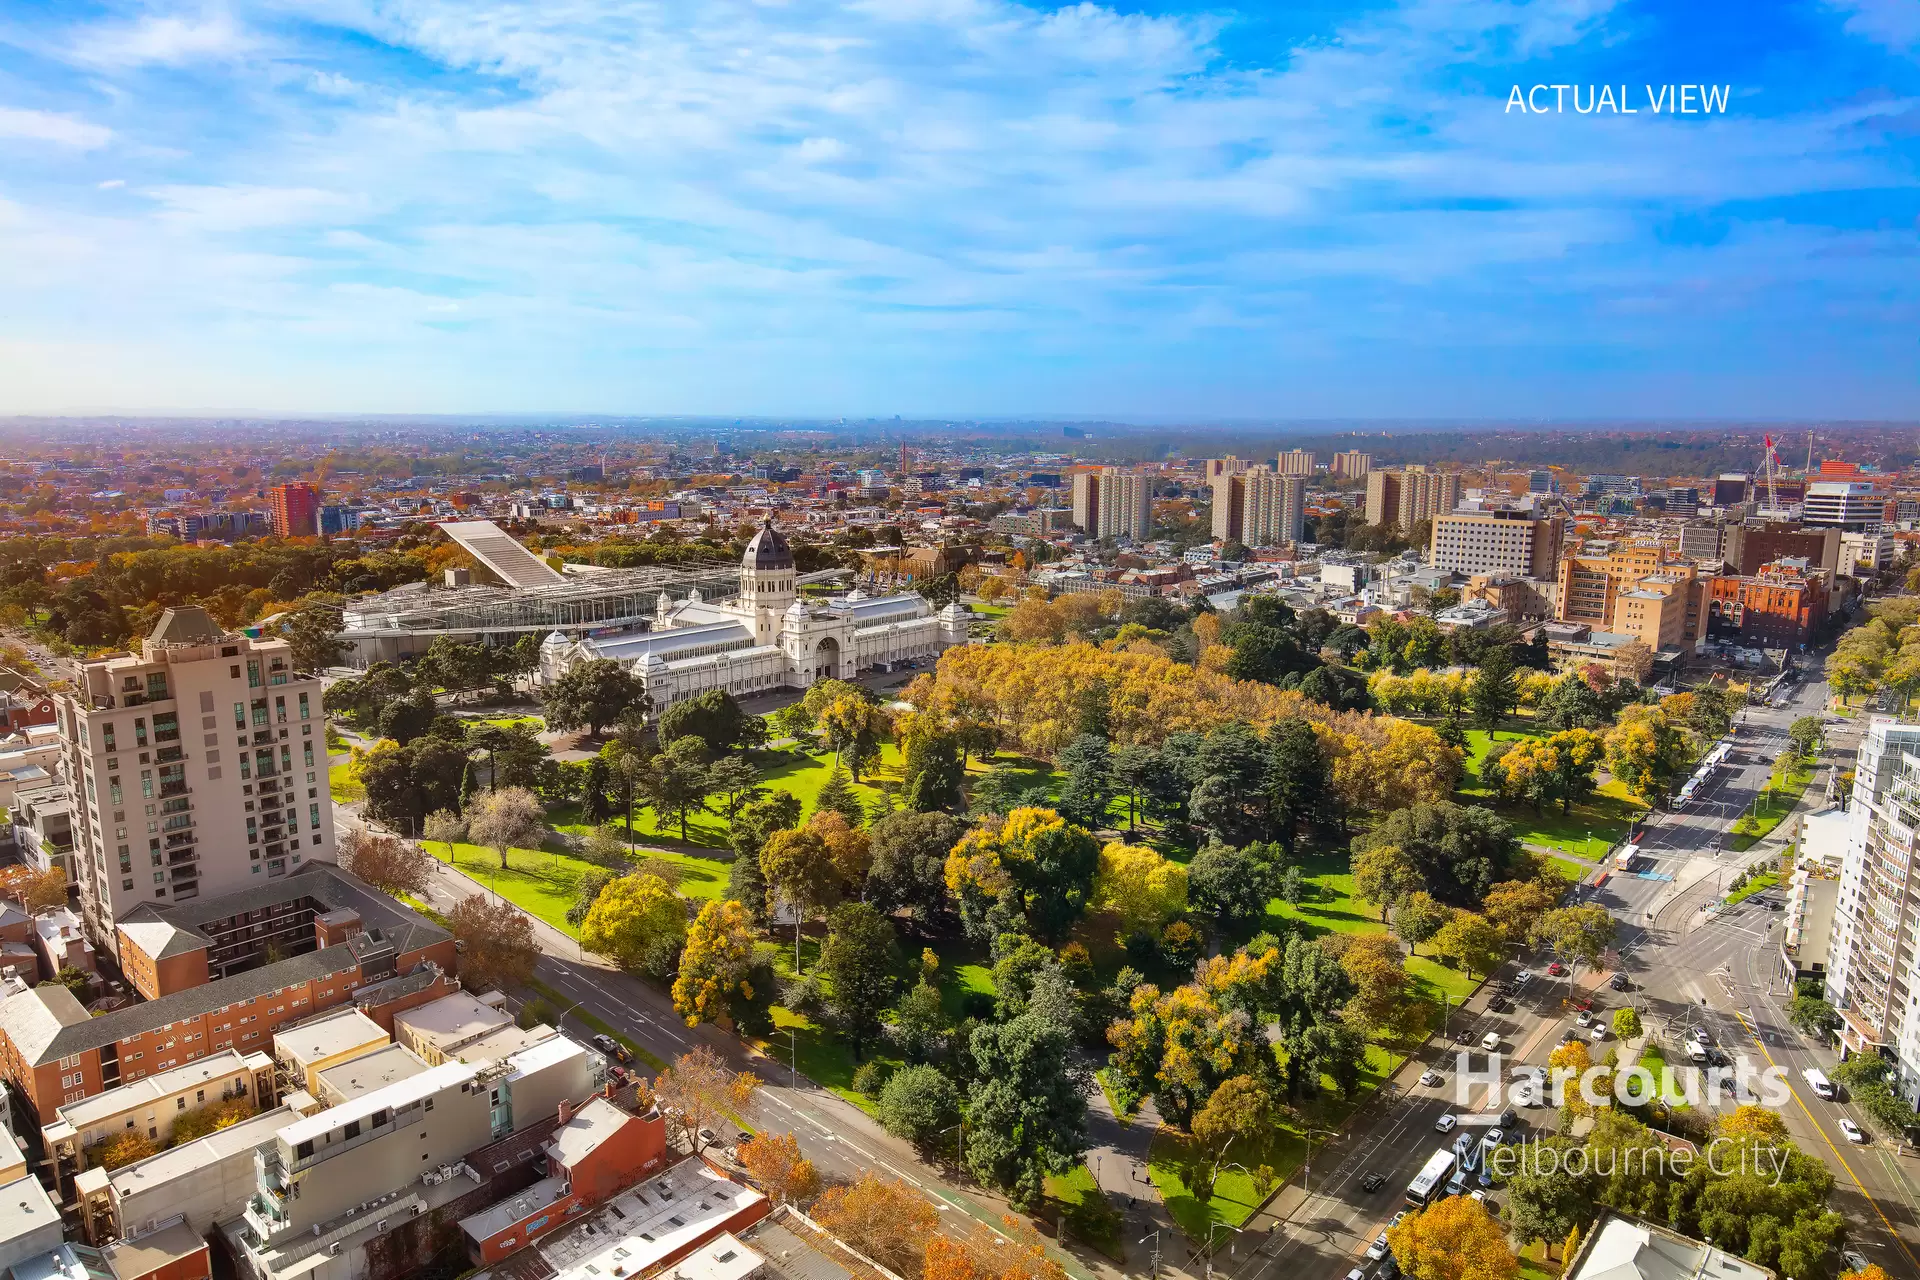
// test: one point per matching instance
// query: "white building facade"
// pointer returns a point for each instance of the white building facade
(768, 638)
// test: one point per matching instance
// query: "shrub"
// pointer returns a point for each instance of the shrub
(870, 1079)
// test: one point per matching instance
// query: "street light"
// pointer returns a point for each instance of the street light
(1153, 1264)
(1306, 1178)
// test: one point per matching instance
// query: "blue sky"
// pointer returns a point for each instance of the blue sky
(949, 207)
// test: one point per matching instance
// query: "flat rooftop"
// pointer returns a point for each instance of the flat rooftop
(328, 1036)
(648, 1222)
(399, 1094)
(370, 1071)
(156, 1087)
(189, 1158)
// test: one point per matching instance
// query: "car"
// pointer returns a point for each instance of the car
(1490, 1041)
(1508, 1119)
(1621, 982)
(1464, 1143)
(1581, 1002)
(1398, 1218)
(1481, 1196)
(1446, 1123)
(1486, 1174)
(1702, 1035)
(1357, 1274)
(1855, 1260)
(1522, 978)
(1503, 986)
(1389, 1269)
(1493, 1136)
(607, 1045)
(1431, 1078)
(1556, 969)
(1570, 1034)
(1378, 1249)
(1598, 1033)
(1499, 1004)
(1457, 1184)
(1853, 1132)
(1584, 1019)
(1373, 1182)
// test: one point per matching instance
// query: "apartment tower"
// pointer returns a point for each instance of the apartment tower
(1492, 542)
(193, 769)
(1113, 502)
(1352, 465)
(1406, 497)
(294, 510)
(1260, 508)
(1295, 462)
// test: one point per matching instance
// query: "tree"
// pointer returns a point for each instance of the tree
(699, 1088)
(408, 718)
(1626, 1023)
(800, 870)
(1580, 934)
(406, 783)
(444, 827)
(1544, 1200)
(1453, 1239)
(639, 923)
(43, 890)
(122, 1149)
(1417, 917)
(1473, 942)
(586, 891)
(592, 695)
(497, 947)
(1137, 772)
(1459, 851)
(386, 862)
(918, 1020)
(1232, 886)
(1240, 1109)
(918, 1104)
(908, 852)
(1813, 1016)
(1085, 792)
(859, 960)
(1139, 887)
(1300, 781)
(1382, 875)
(1383, 998)
(933, 765)
(1034, 865)
(1493, 695)
(677, 781)
(1804, 733)
(508, 817)
(883, 1219)
(1027, 1109)
(773, 1160)
(312, 630)
(1515, 908)
(837, 796)
(713, 717)
(716, 966)
(735, 781)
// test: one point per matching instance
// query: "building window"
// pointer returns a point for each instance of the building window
(303, 707)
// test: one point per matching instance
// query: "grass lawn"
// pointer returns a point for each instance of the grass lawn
(991, 610)
(1589, 829)
(1330, 907)
(514, 722)
(543, 881)
(1753, 886)
(1534, 1264)
(343, 781)
(1774, 806)
(1235, 1194)
(1089, 1217)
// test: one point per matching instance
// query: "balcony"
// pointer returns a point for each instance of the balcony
(181, 857)
(175, 789)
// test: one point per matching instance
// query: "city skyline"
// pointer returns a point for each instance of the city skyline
(984, 209)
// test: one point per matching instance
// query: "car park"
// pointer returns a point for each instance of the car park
(1447, 1123)
(1852, 1131)
(1373, 1182)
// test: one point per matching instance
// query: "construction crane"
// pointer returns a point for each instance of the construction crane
(1770, 469)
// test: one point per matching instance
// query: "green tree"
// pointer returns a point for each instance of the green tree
(859, 960)
(1137, 772)
(1382, 875)
(1493, 696)
(1027, 1108)
(507, 818)
(312, 630)
(1580, 934)
(1417, 917)
(735, 781)
(715, 718)
(677, 782)
(592, 695)
(918, 1104)
(837, 796)
(639, 923)
(1471, 940)
(586, 890)
(919, 1020)
(1813, 1016)
(1239, 1111)
(1458, 851)
(909, 852)
(1231, 887)
(1544, 1201)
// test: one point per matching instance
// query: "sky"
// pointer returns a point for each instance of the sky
(961, 207)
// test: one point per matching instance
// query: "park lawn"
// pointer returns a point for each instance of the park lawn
(1088, 1215)
(1753, 886)
(1775, 804)
(1534, 1264)
(514, 722)
(824, 1057)
(1330, 907)
(1589, 829)
(991, 610)
(1235, 1194)
(343, 782)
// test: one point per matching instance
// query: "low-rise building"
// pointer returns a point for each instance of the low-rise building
(306, 1051)
(62, 942)
(1781, 606)
(204, 1182)
(1623, 1248)
(43, 826)
(438, 1031)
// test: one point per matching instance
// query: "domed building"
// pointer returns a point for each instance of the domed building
(767, 637)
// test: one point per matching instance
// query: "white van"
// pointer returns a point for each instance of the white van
(1696, 1051)
(1818, 1082)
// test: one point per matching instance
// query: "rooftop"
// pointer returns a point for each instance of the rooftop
(1626, 1249)
(391, 1097)
(188, 1158)
(649, 1221)
(372, 1071)
(147, 1254)
(161, 1084)
(588, 1128)
(327, 1036)
(452, 1019)
(25, 1208)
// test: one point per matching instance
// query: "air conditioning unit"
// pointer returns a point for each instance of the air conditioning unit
(333, 1250)
(380, 1225)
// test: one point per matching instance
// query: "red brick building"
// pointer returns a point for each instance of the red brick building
(294, 510)
(54, 1053)
(1778, 607)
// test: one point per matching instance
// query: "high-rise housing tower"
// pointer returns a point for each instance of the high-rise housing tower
(1113, 502)
(294, 510)
(1873, 969)
(1295, 462)
(1352, 465)
(1260, 507)
(1406, 497)
(193, 768)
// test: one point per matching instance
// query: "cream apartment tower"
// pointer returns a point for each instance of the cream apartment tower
(1260, 507)
(193, 767)
(1113, 502)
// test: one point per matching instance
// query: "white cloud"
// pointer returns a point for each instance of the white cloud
(44, 126)
(113, 184)
(164, 39)
(1893, 23)
(239, 207)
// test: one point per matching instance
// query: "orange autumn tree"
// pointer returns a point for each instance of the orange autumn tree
(774, 1161)
(1453, 1239)
(886, 1220)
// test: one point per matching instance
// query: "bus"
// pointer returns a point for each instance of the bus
(1426, 1185)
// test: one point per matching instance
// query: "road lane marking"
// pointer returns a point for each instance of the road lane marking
(1821, 1130)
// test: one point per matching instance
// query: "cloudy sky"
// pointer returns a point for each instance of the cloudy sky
(949, 207)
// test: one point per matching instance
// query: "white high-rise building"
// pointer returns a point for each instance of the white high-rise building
(1113, 502)
(1873, 971)
(1274, 510)
(196, 767)
(1295, 462)
(1843, 504)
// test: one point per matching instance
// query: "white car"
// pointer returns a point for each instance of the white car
(1523, 977)
(1599, 1032)
(1490, 1041)
(1701, 1034)
(1431, 1078)
(1446, 1123)
(1584, 1018)
(1378, 1249)
(1853, 1132)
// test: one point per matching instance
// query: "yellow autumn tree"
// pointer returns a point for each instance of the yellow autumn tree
(1453, 1239)
(1140, 887)
(715, 965)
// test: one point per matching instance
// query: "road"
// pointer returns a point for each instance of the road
(1677, 957)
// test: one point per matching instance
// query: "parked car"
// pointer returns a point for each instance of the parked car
(1621, 982)
(1490, 1041)
(1357, 1274)
(1431, 1078)
(1855, 1260)
(1556, 969)
(1378, 1249)
(1522, 978)
(1584, 1018)
(1598, 1033)
(1703, 1035)
(1499, 1004)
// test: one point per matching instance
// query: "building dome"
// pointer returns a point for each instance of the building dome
(767, 550)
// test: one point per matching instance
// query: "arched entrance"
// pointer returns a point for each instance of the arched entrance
(826, 658)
